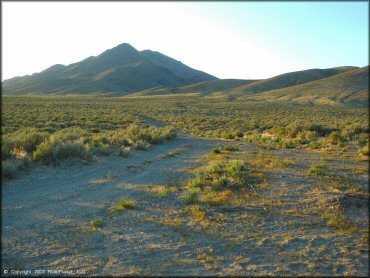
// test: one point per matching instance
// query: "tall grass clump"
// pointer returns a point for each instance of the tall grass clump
(218, 183)
(100, 145)
(70, 134)
(11, 167)
(16, 149)
(25, 138)
(316, 169)
(335, 138)
(231, 148)
(19, 148)
(63, 144)
(196, 182)
(364, 152)
(150, 134)
(123, 204)
(127, 203)
(53, 153)
(192, 196)
(216, 150)
(236, 170)
(96, 223)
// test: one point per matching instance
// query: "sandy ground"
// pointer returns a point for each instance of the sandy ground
(46, 216)
(43, 209)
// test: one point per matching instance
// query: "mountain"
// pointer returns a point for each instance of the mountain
(243, 88)
(334, 86)
(176, 67)
(202, 88)
(123, 70)
(288, 79)
(117, 71)
(350, 87)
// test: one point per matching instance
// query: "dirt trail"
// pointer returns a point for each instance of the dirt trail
(47, 214)
(43, 209)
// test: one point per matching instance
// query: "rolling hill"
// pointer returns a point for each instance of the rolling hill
(350, 87)
(333, 86)
(117, 71)
(202, 88)
(245, 88)
(288, 79)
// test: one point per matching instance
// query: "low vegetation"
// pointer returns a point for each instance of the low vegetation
(272, 124)
(51, 130)
(96, 223)
(317, 169)
(22, 147)
(160, 191)
(123, 204)
(220, 182)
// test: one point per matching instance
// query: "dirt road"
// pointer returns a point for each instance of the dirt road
(47, 212)
(47, 215)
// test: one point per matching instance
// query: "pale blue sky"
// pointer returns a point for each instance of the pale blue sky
(324, 33)
(245, 40)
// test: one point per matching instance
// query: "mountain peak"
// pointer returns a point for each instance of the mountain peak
(124, 46)
(119, 55)
(119, 70)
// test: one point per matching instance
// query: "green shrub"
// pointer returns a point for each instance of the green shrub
(68, 134)
(43, 152)
(156, 140)
(25, 138)
(30, 138)
(196, 182)
(216, 150)
(286, 144)
(231, 148)
(126, 203)
(316, 169)
(123, 204)
(75, 142)
(141, 145)
(315, 145)
(215, 169)
(228, 136)
(53, 153)
(98, 140)
(220, 182)
(100, 149)
(239, 134)
(97, 223)
(363, 138)
(339, 221)
(364, 151)
(170, 133)
(335, 138)
(312, 136)
(68, 150)
(6, 148)
(119, 138)
(11, 167)
(236, 170)
(124, 151)
(320, 129)
(192, 196)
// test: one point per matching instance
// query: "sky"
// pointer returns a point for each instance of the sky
(246, 40)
